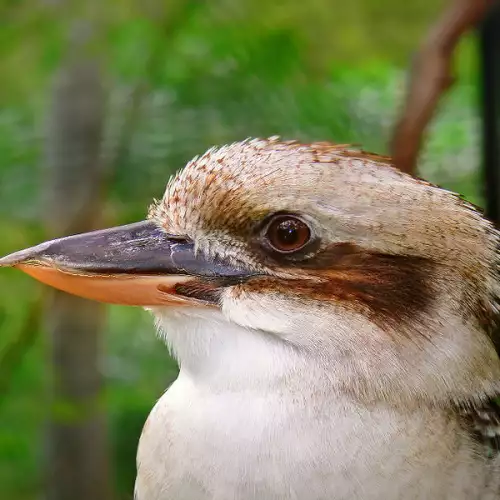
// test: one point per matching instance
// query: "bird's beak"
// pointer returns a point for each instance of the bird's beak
(138, 264)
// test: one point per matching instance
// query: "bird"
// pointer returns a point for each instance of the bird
(333, 319)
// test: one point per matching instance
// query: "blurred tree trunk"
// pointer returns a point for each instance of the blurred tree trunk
(78, 465)
(489, 36)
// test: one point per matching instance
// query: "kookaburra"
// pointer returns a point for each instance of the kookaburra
(332, 318)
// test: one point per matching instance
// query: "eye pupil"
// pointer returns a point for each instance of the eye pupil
(287, 233)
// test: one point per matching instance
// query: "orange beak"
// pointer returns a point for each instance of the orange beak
(138, 264)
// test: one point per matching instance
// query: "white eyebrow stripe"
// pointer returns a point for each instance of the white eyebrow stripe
(350, 213)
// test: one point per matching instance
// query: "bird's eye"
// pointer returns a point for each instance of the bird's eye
(287, 233)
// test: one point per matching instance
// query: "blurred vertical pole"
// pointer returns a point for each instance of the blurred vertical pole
(489, 34)
(78, 465)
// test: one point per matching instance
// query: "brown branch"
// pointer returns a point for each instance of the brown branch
(431, 76)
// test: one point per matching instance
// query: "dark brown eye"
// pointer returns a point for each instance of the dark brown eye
(287, 234)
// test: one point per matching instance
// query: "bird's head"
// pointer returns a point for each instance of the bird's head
(384, 284)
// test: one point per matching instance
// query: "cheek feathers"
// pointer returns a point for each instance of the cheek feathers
(388, 289)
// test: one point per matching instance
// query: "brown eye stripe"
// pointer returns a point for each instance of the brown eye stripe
(388, 289)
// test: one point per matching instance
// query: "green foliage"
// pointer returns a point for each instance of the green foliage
(222, 72)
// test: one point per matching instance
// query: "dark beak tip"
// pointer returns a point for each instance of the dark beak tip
(22, 256)
(14, 258)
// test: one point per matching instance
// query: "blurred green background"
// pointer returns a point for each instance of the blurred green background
(180, 77)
